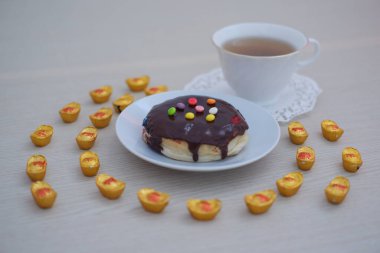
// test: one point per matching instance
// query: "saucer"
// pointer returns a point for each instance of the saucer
(298, 98)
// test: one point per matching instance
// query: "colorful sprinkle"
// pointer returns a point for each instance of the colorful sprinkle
(210, 117)
(199, 108)
(235, 120)
(189, 115)
(192, 101)
(213, 110)
(171, 111)
(180, 106)
(211, 101)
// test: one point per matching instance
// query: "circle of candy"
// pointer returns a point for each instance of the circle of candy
(199, 108)
(213, 110)
(180, 106)
(210, 117)
(211, 101)
(189, 115)
(192, 101)
(171, 111)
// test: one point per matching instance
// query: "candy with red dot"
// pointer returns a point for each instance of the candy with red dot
(192, 101)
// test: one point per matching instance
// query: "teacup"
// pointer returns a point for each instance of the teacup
(261, 78)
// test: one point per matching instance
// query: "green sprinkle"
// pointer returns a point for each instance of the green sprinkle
(172, 111)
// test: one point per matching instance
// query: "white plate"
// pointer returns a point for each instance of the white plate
(264, 133)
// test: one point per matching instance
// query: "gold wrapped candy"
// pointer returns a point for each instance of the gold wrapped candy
(109, 187)
(337, 190)
(297, 132)
(102, 117)
(138, 83)
(352, 160)
(330, 130)
(36, 167)
(260, 202)
(87, 137)
(204, 210)
(290, 184)
(122, 102)
(42, 135)
(101, 94)
(70, 112)
(152, 200)
(155, 89)
(89, 163)
(43, 194)
(305, 157)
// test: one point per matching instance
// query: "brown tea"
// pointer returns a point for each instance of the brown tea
(256, 46)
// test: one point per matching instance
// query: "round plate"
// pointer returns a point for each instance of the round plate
(264, 133)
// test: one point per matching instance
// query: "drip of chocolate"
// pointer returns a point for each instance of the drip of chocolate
(228, 124)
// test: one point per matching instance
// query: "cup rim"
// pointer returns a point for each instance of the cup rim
(260, 57)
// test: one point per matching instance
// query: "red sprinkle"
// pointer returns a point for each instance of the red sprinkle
(304, 155)
(154, 196)
(339, 186)
(42, 192)
(298, 129)
(334, 127)
(192, 101)
(99, 114)
(88, 134)
(110, 180)
(262, 197)
(235, 120)
(154, 89)
(206, 206)
(68, 109)
(39, 163)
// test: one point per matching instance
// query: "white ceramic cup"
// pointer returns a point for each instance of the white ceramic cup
(261, 79)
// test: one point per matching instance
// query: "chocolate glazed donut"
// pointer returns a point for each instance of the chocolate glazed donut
(228, 124)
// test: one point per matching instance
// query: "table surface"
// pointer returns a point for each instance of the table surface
(54, 53)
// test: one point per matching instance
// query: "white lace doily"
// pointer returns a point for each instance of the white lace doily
(298, 98)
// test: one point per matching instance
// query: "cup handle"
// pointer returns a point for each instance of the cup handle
(313, 57)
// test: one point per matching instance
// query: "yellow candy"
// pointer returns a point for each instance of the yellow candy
(138, 83)
(101, 94)
(297, 132)
(337, 190)
(70, 112)
(152, 200)
(122, 102)
(210, 117)
(189, 115)
(260, 202)
(109, 187)
(86, 138)
(101, 118)
(204, 210)
(89, 163)
(290, 184)
(36, 167)
(352, 160)
(331, 131)
(42, 135)
(43, 194)
(156, 89)
(305, 157)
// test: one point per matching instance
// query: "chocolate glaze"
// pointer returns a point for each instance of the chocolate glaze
(228, 124)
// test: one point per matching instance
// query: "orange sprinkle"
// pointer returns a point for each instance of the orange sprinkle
(154, 89)
(350, 155)
(41, 133)
(289, 179)
(298, 129)
(98, 91)
(68, 109)
(339, 186)
(39, 163)
(88, 134)
(211, 101)
(99, 114)
(88, 159)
